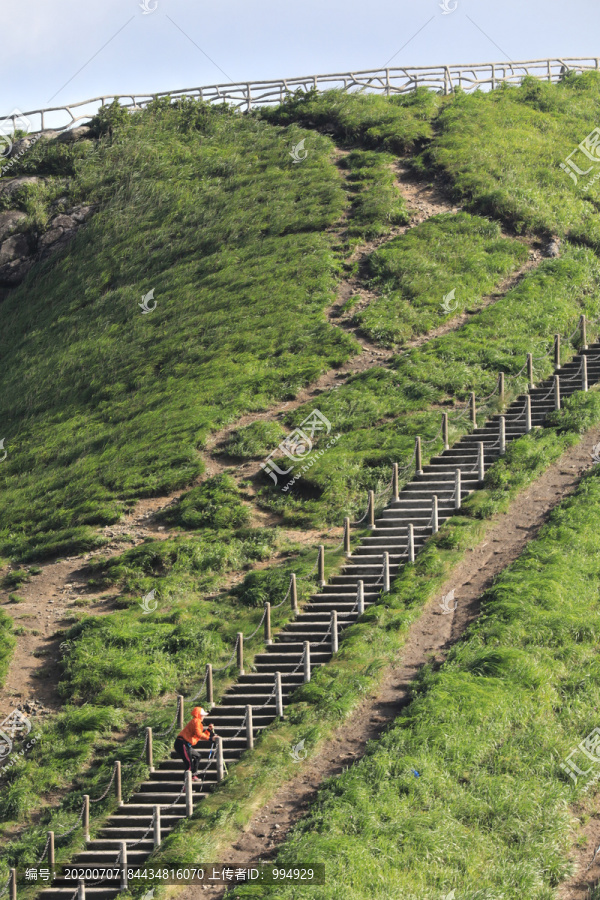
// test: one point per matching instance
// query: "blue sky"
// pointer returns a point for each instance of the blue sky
(69, 50)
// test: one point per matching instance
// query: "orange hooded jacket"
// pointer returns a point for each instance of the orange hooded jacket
(194, 731)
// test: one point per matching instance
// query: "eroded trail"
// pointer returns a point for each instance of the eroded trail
(430, 638)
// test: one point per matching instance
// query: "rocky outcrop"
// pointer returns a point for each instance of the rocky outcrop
(18, 252)
(17, 256)
(9, 221)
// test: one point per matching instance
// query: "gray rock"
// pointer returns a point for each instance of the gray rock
(81, 213)
(553, 248)
(49, 135)
(8, 221)
(74, 134)
(21, 145)
(13, 248)
(51, 237)
(13, 184)
(14, 272)
(62, 221)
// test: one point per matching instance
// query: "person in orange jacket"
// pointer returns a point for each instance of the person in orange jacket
(193, 732)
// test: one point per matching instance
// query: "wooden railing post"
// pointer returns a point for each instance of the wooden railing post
(267, 624)
(51, 853)
(249, 728)
(360, 598)
(457, 489)
(556, 392)
(386, 573)
(306, 660)
(557, 351)
(527, 414)
(81, 889)
(180, 710)
(502, 423)
(240, 652)
(473, 409)
(583, 323)
(220, 759)
(294, 595)
(118, 789)
(347, 536)
(322, 581)
(149, 750)
(434, 515)
(395, 490)
(371, 509)
(501, 388)
(189, 796)
(411, 542)
(530, 371)
(584, 373)
(86, 817)
(334, 631)
(123, 860)
(156, 828)
(480, 461)
(13, 884)
(278, 696)
(209, 684)
(445, 430)
(418, 456)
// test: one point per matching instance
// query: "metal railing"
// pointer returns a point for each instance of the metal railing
(388, 81)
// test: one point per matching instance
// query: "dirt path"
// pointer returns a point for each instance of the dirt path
(430, 637)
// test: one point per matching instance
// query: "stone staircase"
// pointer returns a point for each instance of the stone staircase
(413, 507)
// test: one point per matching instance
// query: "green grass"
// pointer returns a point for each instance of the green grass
(7, 644)
(377, 203)
(461, 257)
(379, 412)
(396, 124)
(490, 814)
(500, 153)
(215, 503)
(336, 690)
(103, 404)
(126, 656)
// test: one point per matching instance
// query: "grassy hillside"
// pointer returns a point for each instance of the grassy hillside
(489, 813)
(101, 403)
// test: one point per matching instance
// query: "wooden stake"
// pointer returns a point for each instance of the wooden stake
(278, 696)
(209, 684)
(267, 624)
(249, 729)
(306, 660)
(240, 652)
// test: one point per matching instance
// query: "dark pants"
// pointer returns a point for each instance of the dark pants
(182, 749)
